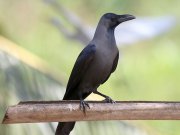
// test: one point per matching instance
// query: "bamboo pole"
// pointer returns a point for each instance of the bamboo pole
(54, 111)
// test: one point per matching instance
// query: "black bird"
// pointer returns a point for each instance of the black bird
(94, 65)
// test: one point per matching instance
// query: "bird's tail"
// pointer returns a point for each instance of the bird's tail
(64, 128)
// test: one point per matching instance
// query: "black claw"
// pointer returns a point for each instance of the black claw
(87, 105)
(109, 100)
(83, 105)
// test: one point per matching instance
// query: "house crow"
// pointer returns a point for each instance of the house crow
(94, 65)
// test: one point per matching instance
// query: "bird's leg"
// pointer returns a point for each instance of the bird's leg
(107, 98)
(83, 104)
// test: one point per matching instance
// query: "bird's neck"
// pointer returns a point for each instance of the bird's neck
(104, 34)
(102, 31)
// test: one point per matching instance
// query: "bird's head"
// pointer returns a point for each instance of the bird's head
(111, 20)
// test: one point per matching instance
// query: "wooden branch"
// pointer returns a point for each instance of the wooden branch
(54, 111)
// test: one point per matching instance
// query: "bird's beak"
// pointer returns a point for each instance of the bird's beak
(126, 17)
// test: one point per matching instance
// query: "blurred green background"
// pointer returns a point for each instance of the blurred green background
(147, 70)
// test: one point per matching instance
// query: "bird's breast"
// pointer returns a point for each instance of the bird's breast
(100, 68)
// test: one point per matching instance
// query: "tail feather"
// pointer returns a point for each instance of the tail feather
(64, 128)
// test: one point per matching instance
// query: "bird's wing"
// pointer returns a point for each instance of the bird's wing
(80, 67)
(115, 62)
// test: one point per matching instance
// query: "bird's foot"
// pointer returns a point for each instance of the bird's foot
(83, 105)
(109, 100)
